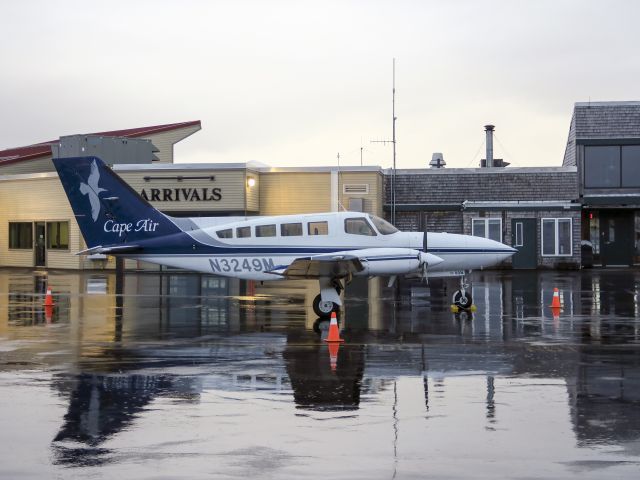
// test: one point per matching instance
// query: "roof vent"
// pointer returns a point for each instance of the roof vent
(437, 160)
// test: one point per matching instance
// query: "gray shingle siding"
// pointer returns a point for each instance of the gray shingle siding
(601, 121)
(450, 222)
(570, 151)
(607, 120)
(454, 186)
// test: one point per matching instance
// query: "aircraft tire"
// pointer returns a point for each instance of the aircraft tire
(462, 301)
(319, 312)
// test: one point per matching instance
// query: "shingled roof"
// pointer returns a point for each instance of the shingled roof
(602, 121)
(452, 186)
(38, 150)
(607, 120)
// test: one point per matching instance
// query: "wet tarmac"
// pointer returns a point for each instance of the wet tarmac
(192, 376)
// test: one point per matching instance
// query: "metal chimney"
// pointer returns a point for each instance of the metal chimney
(437, 160)
(489, 132)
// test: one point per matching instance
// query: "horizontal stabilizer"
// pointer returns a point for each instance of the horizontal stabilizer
(109, 250)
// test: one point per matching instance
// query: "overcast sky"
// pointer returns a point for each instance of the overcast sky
(295, 82)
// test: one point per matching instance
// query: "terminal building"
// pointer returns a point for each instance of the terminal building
(38, 228)
(583, 212)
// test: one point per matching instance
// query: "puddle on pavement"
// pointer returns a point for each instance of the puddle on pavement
(192, 376)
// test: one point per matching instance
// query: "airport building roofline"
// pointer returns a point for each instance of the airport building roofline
(321, 169)
(251, 165)
(482, 171)
(607, 104)
(43, 149)
(159, 167)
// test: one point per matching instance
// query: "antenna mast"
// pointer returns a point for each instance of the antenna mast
(392, 141)
(340, 205)
(393, 176)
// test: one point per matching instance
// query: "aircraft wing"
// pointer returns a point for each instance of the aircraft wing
(331, 266)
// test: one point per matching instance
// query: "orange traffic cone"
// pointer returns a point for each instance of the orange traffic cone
(333, 355)
(48, 299)
(48, 313)
(334, 333)
(555, 311)
(555, 303)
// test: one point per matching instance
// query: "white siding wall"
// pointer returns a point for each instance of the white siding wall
(30, 200)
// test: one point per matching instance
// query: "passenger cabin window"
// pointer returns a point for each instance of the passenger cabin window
(226, 233)
(291, 229)
(358, 226)
(266, 231)
(243, 232)
(384, 227)
(318, 228)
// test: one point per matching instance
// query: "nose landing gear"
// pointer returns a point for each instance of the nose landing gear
(462, 299)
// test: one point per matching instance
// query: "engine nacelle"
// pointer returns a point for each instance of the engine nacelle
(394, 261)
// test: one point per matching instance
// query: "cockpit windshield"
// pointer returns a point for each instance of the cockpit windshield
(384, 227)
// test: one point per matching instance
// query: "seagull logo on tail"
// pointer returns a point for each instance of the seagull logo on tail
(92, 189)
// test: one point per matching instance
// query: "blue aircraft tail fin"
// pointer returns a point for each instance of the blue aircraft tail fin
(108, 210)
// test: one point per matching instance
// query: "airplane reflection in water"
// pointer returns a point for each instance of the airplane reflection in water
(179, 336)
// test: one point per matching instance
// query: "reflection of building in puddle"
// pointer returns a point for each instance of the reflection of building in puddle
(24, 305)
(488, 297)
(182, 304)
(285, 301)
(605, 402)
(362, 301)
(315, 384)
(103, 402)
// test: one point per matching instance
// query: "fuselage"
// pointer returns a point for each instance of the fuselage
(257, 248)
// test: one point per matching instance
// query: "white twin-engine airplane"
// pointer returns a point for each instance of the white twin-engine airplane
(329, 247)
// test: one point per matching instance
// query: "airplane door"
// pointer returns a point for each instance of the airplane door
(524, 239)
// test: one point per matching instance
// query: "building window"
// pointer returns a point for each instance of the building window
(602, 166)
(318, 228)
(612, 166)
(519, 238)
(20, 235)
(243, 232)
(556, 237)
(226, 233)
(487, 228)
(266, 231)
(291, 229)
(631, 166)
(58, 235)
(358, 226)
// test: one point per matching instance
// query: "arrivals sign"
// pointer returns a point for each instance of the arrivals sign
(204, 194)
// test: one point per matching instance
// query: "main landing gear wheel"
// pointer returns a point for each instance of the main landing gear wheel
(462, 299)
(322, 308)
